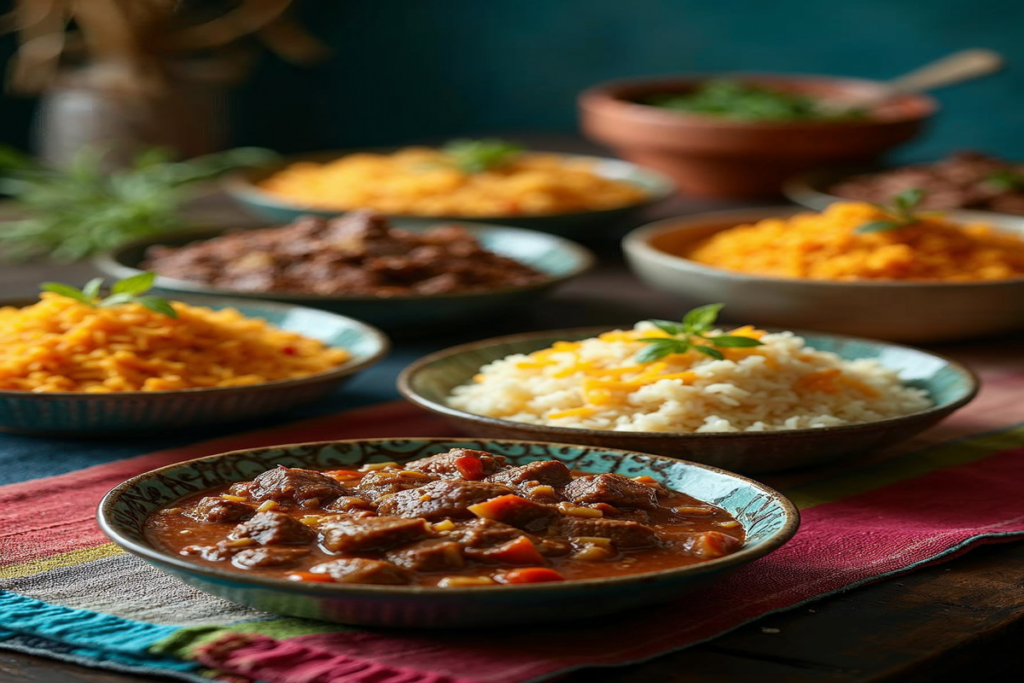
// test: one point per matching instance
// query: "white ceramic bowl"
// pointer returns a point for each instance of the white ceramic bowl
(918, 312)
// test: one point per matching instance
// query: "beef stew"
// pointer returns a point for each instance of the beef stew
(460, 518)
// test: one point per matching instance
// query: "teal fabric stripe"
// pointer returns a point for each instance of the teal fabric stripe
(87, 633)
(97, 659)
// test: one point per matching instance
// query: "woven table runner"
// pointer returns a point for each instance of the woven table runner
(69, 593)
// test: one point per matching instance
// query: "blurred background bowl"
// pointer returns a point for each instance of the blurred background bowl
(919, 312)
(114, 414)
(558, 258)
(712, 156)
(811, 189)
(244, 188)
(429, 382)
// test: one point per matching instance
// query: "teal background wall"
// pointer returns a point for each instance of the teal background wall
(410, 69)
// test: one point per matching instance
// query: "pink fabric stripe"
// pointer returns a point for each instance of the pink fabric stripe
(44, 517)
(263, 658)
(840, 545)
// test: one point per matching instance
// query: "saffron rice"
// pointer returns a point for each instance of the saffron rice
(59, 344)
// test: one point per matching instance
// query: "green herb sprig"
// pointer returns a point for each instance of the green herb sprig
(691, 335)
(1006, 180)
(127, 291)
(477, 156)
(85, 208)
(901, 213)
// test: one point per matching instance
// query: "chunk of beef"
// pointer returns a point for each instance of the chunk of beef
(349, 504)
(430, 555)
(516, 511)
(348, 535)
(217, 509)
(441, 499)
(460, 463)
(545, 472)
(613, 489)
(274, 528)
(631, 514)
(295, 485)
(382, 482)
(623, 534)
(363, 570)
(248, 558)
(479, 535)
(214, 553)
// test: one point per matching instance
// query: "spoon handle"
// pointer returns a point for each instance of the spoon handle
(955, 68)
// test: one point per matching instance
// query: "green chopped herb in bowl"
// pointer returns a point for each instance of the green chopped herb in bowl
(727, 98)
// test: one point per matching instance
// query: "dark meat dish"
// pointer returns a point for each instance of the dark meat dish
(966, 180)
(357, 254)
(460, 518)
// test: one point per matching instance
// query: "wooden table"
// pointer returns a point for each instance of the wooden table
(961, 621)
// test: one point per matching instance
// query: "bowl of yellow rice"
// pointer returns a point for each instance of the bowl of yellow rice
(941, 278)
(563, 194)
(71, 368)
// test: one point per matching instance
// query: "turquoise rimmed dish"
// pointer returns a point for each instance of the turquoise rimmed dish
(768, 519)
(81, 414)
(429, 381)
(243, 187)
(558, 258)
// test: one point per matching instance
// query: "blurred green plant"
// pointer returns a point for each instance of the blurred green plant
(477, 156)
(74, 212)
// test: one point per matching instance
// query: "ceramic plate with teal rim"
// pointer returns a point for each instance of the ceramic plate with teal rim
(558, 258)
(71, 413)
(768, 519)
(429, 381)
(244, 188)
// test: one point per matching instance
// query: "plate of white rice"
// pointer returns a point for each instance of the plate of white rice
(794, 399)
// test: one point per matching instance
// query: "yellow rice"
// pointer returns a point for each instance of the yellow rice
(419, 181)
(59, 344)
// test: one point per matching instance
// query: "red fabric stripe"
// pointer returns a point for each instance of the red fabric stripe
(45, 517)
(840, 545)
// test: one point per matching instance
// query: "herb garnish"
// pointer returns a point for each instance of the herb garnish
(127, 291)
(1006, 180)
(84, 208)
(477, 156)
(732, 99)
(899, 215)
(691, 334)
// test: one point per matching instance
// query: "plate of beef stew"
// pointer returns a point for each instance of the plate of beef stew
(444, 533)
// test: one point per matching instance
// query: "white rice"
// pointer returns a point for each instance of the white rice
(756, 389)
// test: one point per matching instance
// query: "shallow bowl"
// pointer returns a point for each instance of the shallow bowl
(811, 189)
(244, 188)
(558, 258)
(916, 312)
(768, 519)
(73, 413)
(429, 381)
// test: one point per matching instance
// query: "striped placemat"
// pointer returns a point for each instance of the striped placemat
(69, 593)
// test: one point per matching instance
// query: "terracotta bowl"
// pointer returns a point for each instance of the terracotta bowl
(429, 382)
(915, 312)
(715, 157)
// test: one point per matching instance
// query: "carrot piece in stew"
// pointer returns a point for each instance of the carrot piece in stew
(530, 575)
(470, 468)
(501, 508)
(517, 551)
(310, 577)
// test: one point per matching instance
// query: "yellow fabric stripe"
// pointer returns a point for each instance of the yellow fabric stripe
(68, 559)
